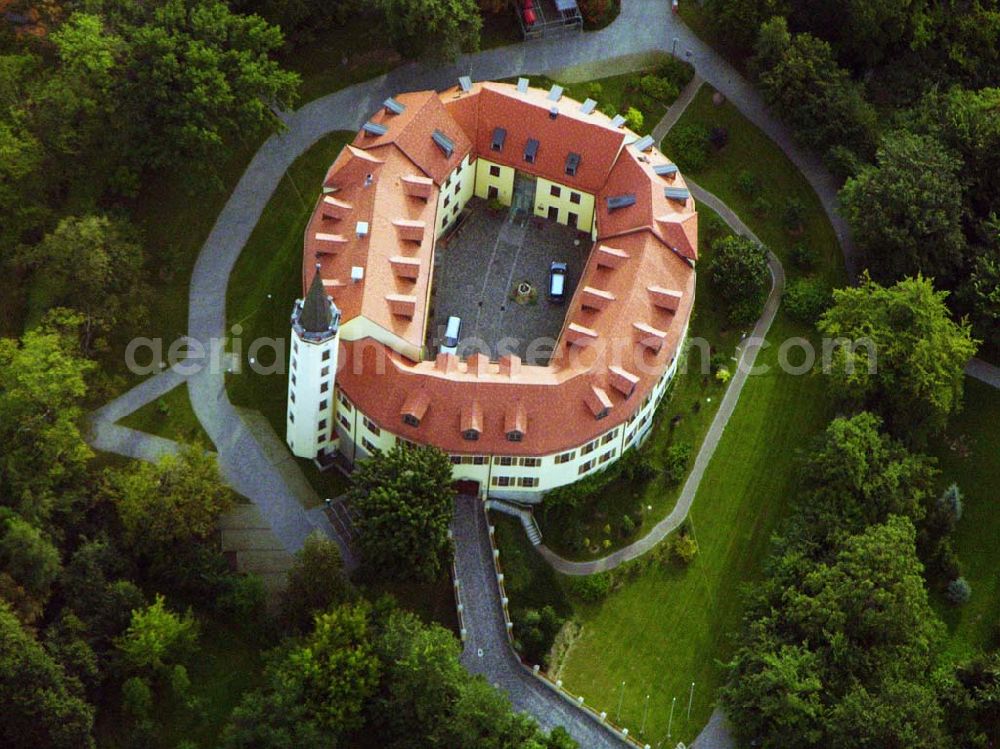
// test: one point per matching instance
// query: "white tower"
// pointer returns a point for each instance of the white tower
(312, 368)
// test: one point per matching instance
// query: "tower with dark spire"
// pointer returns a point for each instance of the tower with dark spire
(312, 369)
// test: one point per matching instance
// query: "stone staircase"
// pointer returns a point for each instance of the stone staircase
(522, 513)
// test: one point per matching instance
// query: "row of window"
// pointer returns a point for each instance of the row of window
(574, 197)
(527, 482)
(508, 460)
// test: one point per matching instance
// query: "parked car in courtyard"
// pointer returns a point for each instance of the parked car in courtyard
(557, 282)
(452, 332)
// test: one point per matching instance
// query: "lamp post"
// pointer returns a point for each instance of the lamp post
(690, 700)
(621, 696)
(670, 724)
(673, 47)
(645, 710)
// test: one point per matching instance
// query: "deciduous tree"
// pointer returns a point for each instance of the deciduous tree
(405, 501)
(738, 270)
(440, 29)
(912, 371)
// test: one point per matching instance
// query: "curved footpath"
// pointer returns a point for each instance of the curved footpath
(747, 350)
(248, 459)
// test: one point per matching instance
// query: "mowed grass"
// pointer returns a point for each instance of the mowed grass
(750, 150)
(265, 281)
(170, 416)
(975, 467)
(668, 628)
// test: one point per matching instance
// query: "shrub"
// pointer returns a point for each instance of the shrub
(804, 256)
(950, 502)
(675, 462)
(658, 89)
(723, 375)
(747, 182)
(535, 632)
(689, 146)
(718, 137)
(806, 299)
(628, 526)
(761, 206)
(718, 361)
(609, 109)
(712, 227)
(677, 72)
(634, 119)
(637, 467)
(595, 90)
(591, 588)
(594, 11)
(958, 591)
(685, 549)
(794, 215)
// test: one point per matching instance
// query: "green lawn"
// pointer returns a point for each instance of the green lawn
(970, 456)
(684, 417)
(664, 628)
(170, 416)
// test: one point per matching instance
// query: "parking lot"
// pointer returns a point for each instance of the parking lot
(478, 269)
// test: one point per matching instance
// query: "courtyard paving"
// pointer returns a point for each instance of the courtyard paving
(477, 269)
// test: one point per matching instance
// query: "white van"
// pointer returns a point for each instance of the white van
(452, 332)
(557, 282)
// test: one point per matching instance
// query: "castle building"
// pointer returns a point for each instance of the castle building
(513, 430)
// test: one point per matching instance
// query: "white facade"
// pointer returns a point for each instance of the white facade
(311, 371)
(520, 478)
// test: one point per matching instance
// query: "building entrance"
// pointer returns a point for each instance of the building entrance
(523, 201)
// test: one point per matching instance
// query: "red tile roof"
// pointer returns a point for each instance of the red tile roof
(624, 321)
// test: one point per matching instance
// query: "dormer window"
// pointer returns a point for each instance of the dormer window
(471, 435)
(499, 136)
(515, 436)
(572, 164)
(411, 420)
(531, 150)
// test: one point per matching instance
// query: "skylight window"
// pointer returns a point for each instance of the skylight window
(466, 83)
(588, 106)
(393, 107)
(555, 93)
(644, 143)
(680, 194)
(665, 170)
(443, 142)
(620, 201)
(374, 129)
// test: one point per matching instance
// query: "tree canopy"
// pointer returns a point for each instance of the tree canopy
(912, 371)
(405, 500)
(738, 270)
(900, 215)
(438, 29)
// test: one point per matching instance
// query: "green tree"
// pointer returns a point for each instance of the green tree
(738, 270)
(736, 22)
(158, 638)
(39, 706)
(177, 500)
(316, 582)
(315, 689)
(29, 565)
(437, 29)
(905, 356)
(405, 501)
(979, 294)
(95, 265)
(901, 218)
(799, 77)
(42, 385)
(857, 476)
(828, 644)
